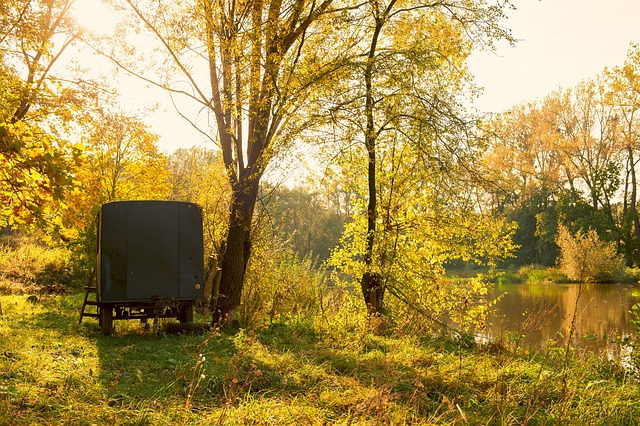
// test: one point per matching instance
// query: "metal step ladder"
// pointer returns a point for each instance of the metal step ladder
(91, 288)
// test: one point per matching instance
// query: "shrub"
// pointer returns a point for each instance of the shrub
(280, 284)
(584, 257)
(27, 265)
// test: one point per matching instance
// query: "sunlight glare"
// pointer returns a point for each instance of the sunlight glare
(95, 16)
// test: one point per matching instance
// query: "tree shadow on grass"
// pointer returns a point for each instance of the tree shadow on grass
(54, 364)
(133, 376)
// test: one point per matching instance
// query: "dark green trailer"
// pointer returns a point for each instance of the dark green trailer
(149, 261)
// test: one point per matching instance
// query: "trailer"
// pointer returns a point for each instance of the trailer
(149, 262)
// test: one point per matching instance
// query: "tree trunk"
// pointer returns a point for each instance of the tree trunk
(372, 288)
(213, 273)
(633, 201)
(238, 248)
(373, 292)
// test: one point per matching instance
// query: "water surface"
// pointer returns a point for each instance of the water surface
(538, 313)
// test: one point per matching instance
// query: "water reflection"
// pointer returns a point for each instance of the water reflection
(538, 313)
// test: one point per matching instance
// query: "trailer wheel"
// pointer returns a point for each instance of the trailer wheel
(185, 313)
(106, 319)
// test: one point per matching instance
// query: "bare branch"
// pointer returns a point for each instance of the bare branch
(174, 56)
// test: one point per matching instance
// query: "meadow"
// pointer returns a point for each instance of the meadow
(303, 370)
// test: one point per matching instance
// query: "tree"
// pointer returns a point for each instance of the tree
(524, 156)
(401, 92)
(37, 162)
(427, 220)
(124, 159)
(527, 171)
(624, 96)
(588, 142)
(35, 34)
(260, 68)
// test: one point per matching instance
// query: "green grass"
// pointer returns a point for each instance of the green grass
(298, 371)
(537, 274)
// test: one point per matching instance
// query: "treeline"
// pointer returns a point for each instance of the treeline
(570, 160)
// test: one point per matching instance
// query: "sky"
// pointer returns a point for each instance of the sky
(561, 42)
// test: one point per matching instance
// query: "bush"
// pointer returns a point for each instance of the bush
(280, 284)
(27, 265)
(584, 257)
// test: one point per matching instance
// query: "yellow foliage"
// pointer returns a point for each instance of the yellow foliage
(36, 171)
(411, 257)
(583, 257)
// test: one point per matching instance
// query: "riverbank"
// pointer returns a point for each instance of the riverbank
(535, 274)
(295, 371)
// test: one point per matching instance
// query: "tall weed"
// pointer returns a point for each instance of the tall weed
(280, 284)
(27, 265)
(535, 274)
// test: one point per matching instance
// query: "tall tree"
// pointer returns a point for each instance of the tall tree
(403, 86)
(624, 95)
(524, 149)
(588, 142)
(427, 219)
(527, 171)
(261, 59)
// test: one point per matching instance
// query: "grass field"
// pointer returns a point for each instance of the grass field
(302, 371)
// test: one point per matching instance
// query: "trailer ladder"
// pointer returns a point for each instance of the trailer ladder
(90, 288)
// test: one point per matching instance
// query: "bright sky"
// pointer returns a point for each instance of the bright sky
(137, 96)
(562, 43)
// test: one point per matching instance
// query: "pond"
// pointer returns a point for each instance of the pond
(538, 313)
